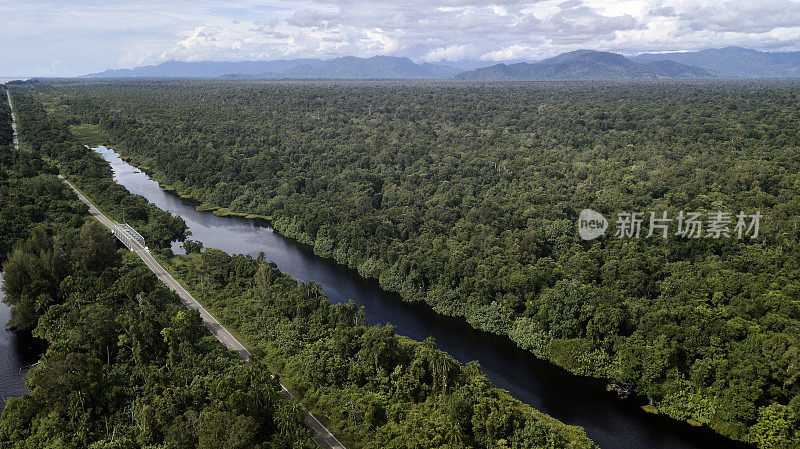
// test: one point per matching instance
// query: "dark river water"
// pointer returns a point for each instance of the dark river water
(577, 400)
(16, 353)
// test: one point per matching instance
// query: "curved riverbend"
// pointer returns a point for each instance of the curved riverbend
(577, 400)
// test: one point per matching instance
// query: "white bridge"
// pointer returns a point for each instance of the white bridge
(128, 236)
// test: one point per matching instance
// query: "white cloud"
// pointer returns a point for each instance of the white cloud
(449, 53)
(89, 35)
(510, 52)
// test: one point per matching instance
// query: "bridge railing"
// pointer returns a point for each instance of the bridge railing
(127, 235)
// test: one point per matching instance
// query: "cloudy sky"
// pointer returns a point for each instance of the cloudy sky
(72, 37)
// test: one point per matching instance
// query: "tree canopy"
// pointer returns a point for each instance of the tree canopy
(466, 196)
(127, 366)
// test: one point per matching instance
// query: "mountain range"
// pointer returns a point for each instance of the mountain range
(348, 67)
(729, 62)
(376, 67)
(736, 62)
(204, 69)
(587, 65)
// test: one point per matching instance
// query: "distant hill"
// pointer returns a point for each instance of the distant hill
(376, 67)
(587, 65)
(729, 62)
(736, 62)
(472, 64)
(204, 69)
(350, 67)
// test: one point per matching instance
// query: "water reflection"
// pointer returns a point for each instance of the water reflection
(16, 353)
(572, 399)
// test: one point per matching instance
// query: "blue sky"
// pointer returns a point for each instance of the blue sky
(73, 37)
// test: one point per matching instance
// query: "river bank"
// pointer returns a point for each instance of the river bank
(573, 399)
(17, 353)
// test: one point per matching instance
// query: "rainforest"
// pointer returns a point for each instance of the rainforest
(465, 196)
(126, 365)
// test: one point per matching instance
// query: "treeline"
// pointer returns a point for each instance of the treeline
(379, 389)
(30, 193)
(466, 196)
(6, 133)
(126, 366)
(43, 134)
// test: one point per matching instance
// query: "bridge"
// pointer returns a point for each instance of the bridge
(134, 241)
(128, 236)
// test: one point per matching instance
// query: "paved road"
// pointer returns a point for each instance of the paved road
(321, 434)
(13, 120)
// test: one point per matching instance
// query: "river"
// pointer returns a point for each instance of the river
(16, 353)
(577, 400)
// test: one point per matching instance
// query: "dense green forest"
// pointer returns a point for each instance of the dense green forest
(128, 366)
(380, 389)
(6, 133)
(53, 141)
(465, 196)
(30, 193)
